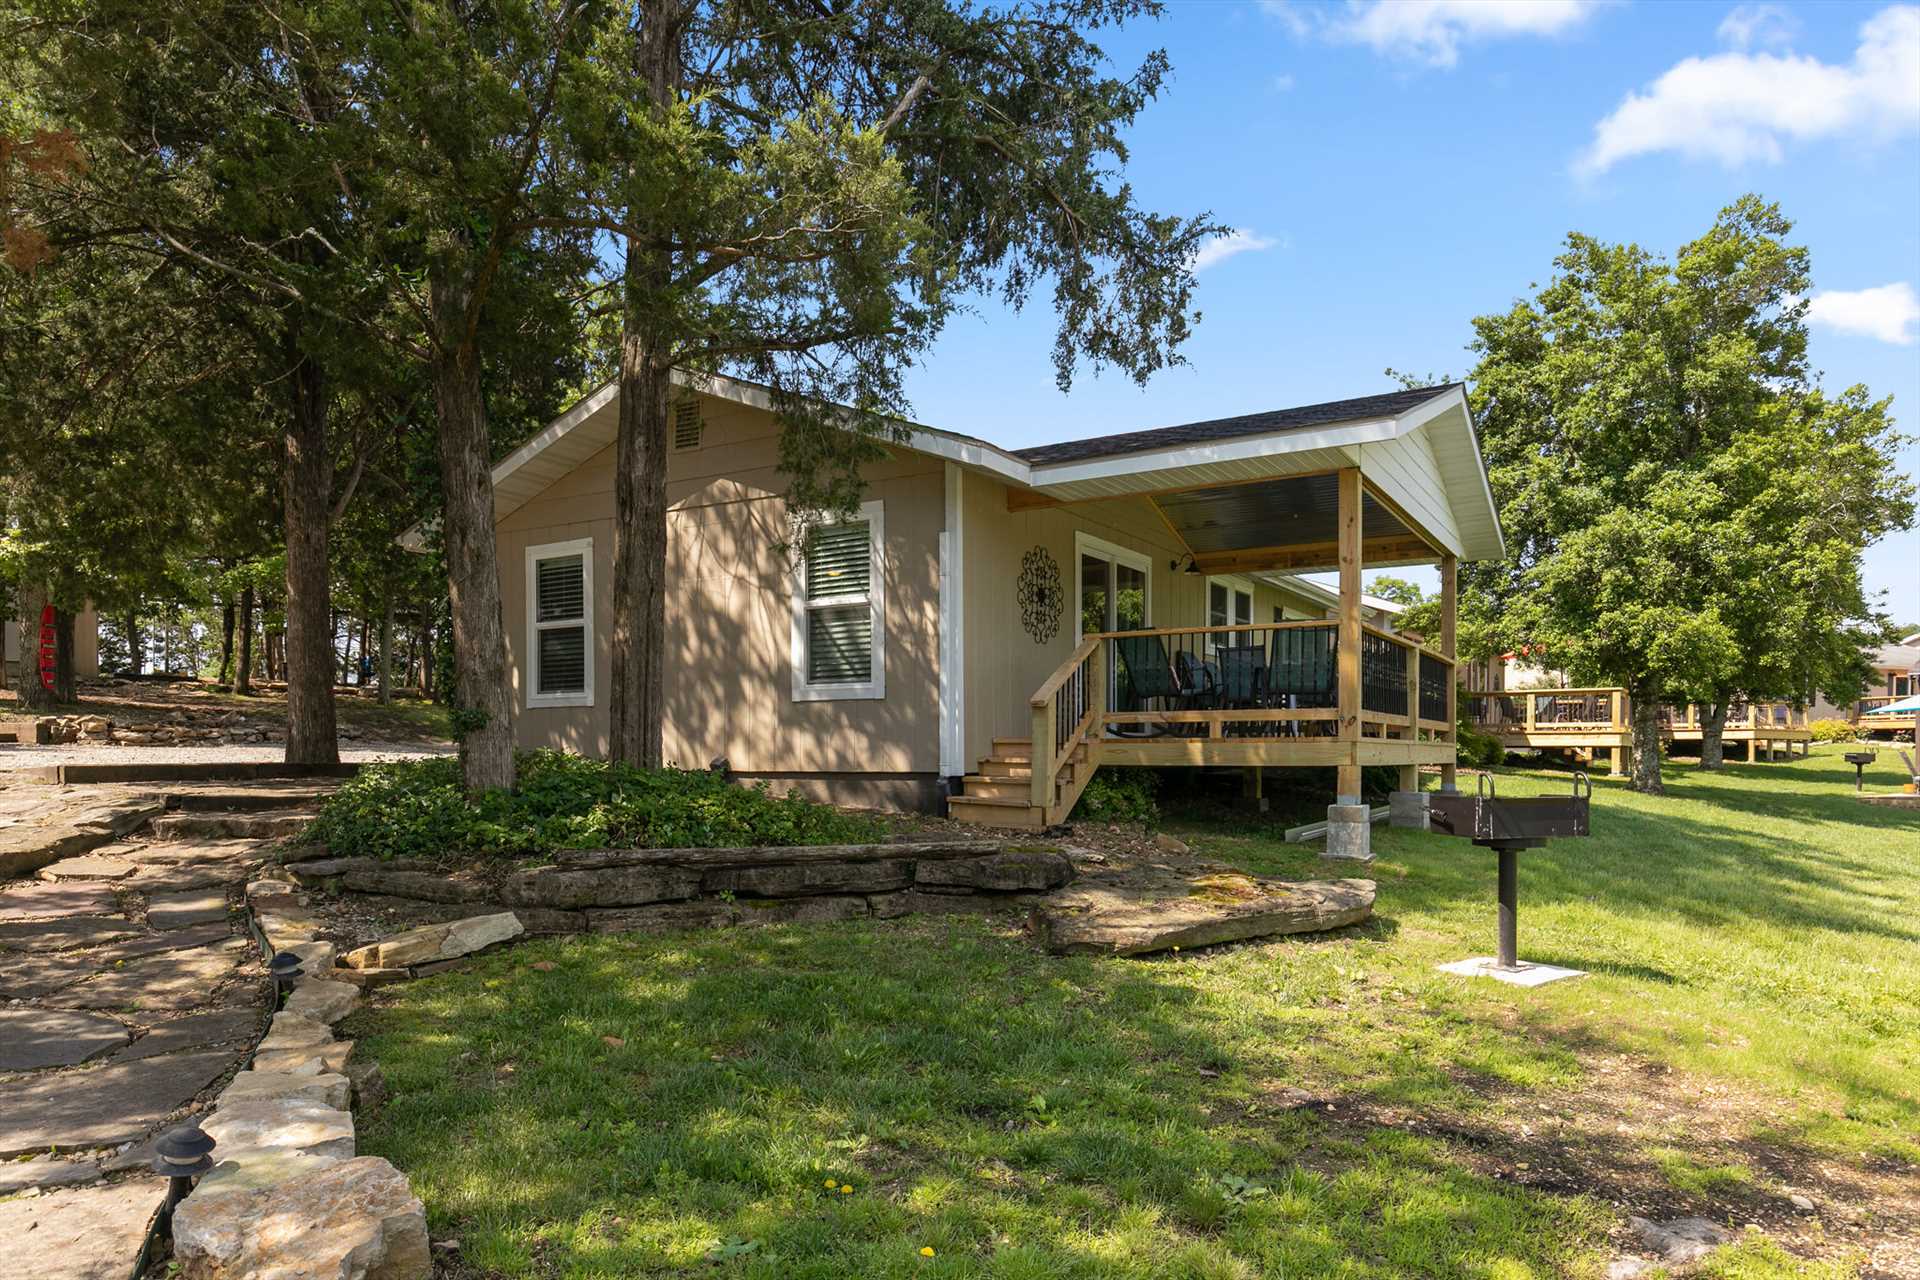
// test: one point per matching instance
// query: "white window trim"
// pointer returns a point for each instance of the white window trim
(583, 547)
(1083, 542)
(875, 687)
(1232, 582)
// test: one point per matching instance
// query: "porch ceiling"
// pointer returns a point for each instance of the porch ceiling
(1291, 523)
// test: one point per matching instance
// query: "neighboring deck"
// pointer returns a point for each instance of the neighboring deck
(1254, 696)
(1870, 719)
(1596, 724)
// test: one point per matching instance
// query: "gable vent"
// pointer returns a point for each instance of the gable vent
(687, 424)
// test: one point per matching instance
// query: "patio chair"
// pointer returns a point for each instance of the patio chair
(1147, 672)
(1243, 671)
(1199, 679)
(1301, 672)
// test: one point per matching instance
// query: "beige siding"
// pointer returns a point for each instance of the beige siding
(729, 611)
(1407, 471)
(1004, 664)
(86, 647)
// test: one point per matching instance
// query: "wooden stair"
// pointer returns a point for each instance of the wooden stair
(1001, 793)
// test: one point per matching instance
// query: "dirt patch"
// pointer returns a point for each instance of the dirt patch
(1652, 1143)
(199, 705)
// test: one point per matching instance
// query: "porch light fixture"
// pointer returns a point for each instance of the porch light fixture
(1185, 564)
(181, 1155)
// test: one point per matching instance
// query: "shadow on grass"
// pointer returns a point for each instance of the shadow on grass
(1052, 1114)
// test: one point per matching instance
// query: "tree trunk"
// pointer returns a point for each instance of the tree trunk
(1646, 740)
(484, 708)
(34, 696)
(243, 677)
(136, 644)
(637, 690)
(226, 642)
(637, 687)
(386, 654)
(1713, 727)
(307, 489)
(428, 685)
(63, 685)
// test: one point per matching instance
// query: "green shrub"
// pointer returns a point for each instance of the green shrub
(418, 808)
(1833, 731)
(1119, 795)
(1478, 750)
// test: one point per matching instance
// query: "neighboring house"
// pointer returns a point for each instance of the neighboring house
(86, 648)
(913, 651)
(1896, 675)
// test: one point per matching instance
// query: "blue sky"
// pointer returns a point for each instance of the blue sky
(1399, 168)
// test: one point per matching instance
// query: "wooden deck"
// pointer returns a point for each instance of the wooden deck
(1596, 724)
(1871, 720)
(1251, 696)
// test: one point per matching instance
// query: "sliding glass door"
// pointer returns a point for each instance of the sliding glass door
(1114, 592)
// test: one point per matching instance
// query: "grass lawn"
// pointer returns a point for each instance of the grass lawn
(1750, 1029)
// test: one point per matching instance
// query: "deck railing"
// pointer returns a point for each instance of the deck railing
(1383, 673)
(1268, 680)
(1549, 710)
(1436, 676)
(1067, 711)
(1741, 714)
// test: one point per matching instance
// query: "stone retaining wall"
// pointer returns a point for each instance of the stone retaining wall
(624, 890)
(289, 1195)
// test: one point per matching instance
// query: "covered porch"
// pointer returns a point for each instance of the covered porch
(1223, 688)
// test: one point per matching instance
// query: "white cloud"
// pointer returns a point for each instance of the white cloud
(1740, 106)
(1432, 31)
(1758, 24)
(1888, 312)
(1220, 248)
(1282, 83)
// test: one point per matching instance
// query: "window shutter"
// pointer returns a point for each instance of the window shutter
(687, 423)
(839, 561)
(840, 645)
(563, 660)
(562, 587)
(560, 596)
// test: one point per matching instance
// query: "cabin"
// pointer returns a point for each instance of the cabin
(1896, 671)
(994, 625)
(20, 656)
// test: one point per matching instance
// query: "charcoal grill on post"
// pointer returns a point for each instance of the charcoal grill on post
(1860, 760)
(1507, 827)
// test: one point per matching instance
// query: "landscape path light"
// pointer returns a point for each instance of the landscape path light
(181, 1155)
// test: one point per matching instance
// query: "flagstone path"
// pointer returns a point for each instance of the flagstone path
(129, 987)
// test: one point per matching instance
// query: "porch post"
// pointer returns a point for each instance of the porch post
(1449, 639)
(1348, 786)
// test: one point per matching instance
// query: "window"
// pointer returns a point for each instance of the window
(839, 612)
(560, 624)
(1229, 603)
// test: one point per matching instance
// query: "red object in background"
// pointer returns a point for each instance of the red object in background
(49, 661)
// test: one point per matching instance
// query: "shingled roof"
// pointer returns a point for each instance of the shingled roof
(1390, 405)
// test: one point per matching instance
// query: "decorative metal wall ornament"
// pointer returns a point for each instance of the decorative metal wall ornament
(1040, 595)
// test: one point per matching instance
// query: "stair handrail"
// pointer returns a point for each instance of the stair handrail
(1049, 750)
